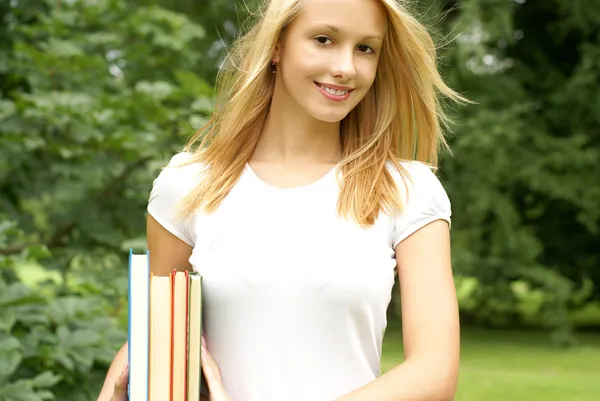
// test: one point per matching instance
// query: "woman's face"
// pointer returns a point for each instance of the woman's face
(328, 56)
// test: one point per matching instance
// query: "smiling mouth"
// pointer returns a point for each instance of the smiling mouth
(334, 91)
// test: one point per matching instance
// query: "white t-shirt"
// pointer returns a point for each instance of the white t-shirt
(295, 297)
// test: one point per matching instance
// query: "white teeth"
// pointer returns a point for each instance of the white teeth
(333, 91)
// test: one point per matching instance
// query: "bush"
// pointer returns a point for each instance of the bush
(94, 99)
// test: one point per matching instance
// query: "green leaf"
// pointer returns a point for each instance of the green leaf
(10, 356)
(8, 318)
(64, 360)
(192, 83)
(68, 309)
(45, 395)
(102, 38)
(159, 90)
(21, 390)
(197, 121)
(62, 48)
(46, 379)
(203, 104)
(38, 251)
(32, 274)
(33, 315)
(7, 109)
(83, 338)
(17, 294)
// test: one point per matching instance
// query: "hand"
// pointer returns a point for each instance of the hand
(120, 391)
(213, 376)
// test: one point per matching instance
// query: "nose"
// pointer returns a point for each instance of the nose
(343, 66)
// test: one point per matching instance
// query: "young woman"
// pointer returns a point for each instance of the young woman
(310, 188)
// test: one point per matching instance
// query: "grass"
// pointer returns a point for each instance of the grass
(517, 366)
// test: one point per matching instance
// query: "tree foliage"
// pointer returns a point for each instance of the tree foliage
(523, 177)
(96, 96)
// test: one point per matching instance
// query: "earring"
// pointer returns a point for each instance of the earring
(273, 68)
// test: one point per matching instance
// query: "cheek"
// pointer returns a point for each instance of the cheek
(294, 77)
(368, 70)
(301, 59)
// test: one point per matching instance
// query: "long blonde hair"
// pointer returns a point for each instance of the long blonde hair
(400, 118)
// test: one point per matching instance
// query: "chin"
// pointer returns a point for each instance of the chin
(330, 119)
(333, 116)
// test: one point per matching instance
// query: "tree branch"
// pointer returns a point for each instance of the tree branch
(56, 238)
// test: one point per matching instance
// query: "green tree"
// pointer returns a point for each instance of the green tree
(95, 98)
(524, 176)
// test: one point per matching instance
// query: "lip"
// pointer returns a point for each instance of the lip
(336, 87)
(335, 98)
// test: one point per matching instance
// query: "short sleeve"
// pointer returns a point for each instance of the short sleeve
(168, 190)
(427, 201)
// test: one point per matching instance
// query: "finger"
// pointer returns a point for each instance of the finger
(120, 390)
(211, 370)
(212, 365)
(208, 366)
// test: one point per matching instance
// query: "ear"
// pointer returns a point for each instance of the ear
(277, 53)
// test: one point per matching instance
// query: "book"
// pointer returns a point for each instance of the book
(194, 336)
(164, 333)
(160, 338)
(138, 326)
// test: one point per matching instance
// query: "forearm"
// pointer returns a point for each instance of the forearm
(113, 373)
(413, 380)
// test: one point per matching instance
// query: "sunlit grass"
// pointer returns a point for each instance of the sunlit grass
(518, 366)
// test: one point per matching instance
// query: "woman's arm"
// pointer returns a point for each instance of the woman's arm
(167, 252)
(431, 330)
(116, 367)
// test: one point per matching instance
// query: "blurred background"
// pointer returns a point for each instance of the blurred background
(96, 95)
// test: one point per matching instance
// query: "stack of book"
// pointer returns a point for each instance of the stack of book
(165, 325)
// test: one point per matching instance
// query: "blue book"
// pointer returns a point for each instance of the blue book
(138, 321)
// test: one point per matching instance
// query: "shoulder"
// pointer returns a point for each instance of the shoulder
(422, 195)
(180, 175)
(183, 164)
(175, 181)
(417, 179)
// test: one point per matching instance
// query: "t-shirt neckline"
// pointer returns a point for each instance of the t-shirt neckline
(304, 187)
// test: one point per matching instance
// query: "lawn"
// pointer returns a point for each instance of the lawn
(518, 366)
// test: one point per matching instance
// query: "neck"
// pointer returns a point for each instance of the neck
(291, 136)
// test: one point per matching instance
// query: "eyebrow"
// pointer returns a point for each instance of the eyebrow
(337, 30)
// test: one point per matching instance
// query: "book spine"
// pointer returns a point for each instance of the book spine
(172, 277)
(147, 367)
(187, 333)
(150, 322)
(129, 297)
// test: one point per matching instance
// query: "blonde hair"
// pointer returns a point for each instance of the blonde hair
(400, 118)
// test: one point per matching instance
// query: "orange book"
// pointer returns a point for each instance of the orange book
(159, 382)
(179, 339)
(186, 331)
(172, 279)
